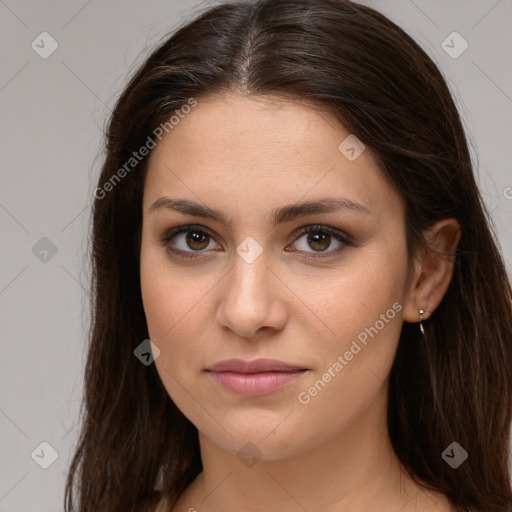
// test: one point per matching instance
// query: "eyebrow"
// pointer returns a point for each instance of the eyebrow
(286, 213)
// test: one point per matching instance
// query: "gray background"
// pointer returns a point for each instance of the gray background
(53, 112)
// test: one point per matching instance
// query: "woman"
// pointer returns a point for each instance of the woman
(288, 211)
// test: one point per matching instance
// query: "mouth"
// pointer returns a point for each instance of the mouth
(254, 378)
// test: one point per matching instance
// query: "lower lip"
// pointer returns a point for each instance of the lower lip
(254, 384)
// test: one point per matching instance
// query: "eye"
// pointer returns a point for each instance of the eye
(189, 241)
(320, 238)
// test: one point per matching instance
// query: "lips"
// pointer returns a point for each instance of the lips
(255, 366)
(253, 378)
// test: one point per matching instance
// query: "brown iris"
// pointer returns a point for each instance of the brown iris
(316, 239)
(194, 238)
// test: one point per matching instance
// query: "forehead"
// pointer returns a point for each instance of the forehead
(263, 150)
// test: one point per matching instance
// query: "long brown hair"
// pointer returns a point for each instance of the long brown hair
(453, 386)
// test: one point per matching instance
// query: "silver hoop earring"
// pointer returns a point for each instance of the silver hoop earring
(421, 321)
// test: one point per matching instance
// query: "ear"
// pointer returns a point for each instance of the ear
(433, 270)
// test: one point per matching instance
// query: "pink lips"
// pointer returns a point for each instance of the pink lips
(257, 377)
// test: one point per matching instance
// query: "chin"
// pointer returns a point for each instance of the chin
(262, 440)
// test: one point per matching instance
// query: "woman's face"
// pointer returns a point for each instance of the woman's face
(257, 287)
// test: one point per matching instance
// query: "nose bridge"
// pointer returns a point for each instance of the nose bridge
(250, 279)
(249, 300)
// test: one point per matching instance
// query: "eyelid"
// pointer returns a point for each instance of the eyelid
(184, 228)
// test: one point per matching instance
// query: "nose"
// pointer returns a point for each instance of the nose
(252, 301)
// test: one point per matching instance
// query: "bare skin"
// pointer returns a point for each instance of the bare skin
(329, 451)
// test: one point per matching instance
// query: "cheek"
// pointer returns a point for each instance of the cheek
(362, 292)
(159, 306)
(353, 371)
(170, 299)
(364, 312)
(175, 307)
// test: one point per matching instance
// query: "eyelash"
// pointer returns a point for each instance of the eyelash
(345, 240)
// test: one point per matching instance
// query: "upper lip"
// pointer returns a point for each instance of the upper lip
(254, 366)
